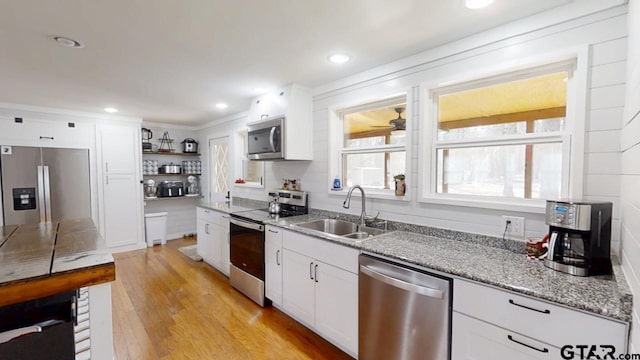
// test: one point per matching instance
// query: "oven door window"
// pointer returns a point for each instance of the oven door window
(247, 250)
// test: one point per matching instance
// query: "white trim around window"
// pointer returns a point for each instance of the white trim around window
(336, 146)
(572, 137)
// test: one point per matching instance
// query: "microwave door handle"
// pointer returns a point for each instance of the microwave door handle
(271, 142)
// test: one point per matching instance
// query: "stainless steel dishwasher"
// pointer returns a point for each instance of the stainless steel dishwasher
(403, 313)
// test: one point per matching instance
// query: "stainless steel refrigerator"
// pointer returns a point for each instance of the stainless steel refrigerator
(44, 184)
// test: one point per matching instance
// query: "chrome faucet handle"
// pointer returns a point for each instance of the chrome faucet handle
(372, 217)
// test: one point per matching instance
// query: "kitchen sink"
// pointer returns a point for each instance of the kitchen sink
(342, 229)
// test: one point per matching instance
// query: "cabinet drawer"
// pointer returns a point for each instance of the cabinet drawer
(473, 339)
(337, 255)
(537, 319)
(209, 216)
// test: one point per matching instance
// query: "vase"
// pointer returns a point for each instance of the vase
(401, 188)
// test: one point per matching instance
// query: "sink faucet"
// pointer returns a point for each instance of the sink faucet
(347, 202)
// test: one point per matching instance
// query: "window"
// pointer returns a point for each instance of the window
(503, 137)
(248, 172)
(373, 144)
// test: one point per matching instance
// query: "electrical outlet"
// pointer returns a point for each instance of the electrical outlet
(516, 228)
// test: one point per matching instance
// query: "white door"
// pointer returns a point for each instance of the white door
(477, 340)
(215, 252)
(298, 286)
(203, 238)
(273, 264)
(219, 168)
(337, 305)
(118, 146)
(122, 192)
(121, 216)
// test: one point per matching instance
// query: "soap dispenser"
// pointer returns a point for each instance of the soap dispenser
(337, 184)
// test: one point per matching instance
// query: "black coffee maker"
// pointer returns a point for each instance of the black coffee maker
(579, 237)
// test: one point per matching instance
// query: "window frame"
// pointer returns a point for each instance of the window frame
(573, 60)
(337, 146)
(240, 145)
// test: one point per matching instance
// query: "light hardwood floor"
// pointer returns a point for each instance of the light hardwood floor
(167, 306)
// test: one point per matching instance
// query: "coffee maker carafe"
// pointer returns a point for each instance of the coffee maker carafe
(579, 237)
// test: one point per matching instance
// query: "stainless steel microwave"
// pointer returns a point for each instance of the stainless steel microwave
(265, 140)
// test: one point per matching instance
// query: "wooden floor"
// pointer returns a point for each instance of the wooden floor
(167, 306)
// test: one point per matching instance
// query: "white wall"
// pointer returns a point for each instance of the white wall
(630, 169)
(605, 33)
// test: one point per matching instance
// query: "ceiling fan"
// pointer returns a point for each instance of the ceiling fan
(396, 124)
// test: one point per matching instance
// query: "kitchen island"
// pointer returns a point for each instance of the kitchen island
(40, 260)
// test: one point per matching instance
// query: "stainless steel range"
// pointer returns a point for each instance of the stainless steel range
(247, 242)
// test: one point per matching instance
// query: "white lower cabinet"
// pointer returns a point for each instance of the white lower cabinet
(320, 287)
(213, 238)
(337, 305)
(273, 264)
(299, 294)
(225, 245)
(490, 323)
(477, 340)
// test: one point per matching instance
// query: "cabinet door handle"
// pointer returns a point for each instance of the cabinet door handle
(273, 231)
(316, 273)
(206, 229)
(543, 350)
(278, 257)
(311, 270)
(46, 137)
(106, 167)
(545, 311)
(107, 179)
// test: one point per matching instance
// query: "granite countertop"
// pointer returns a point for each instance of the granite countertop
(223, 206)
(608, 296)
(47, 258)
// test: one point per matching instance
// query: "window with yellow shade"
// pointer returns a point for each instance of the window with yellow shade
(502, 137)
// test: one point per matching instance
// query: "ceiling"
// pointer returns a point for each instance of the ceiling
(172, 61)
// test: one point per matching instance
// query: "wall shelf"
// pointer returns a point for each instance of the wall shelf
(169, 153)
(174, 198)
(171, 174)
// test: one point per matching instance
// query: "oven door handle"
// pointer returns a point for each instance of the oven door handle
(7, 336)
(246, 224)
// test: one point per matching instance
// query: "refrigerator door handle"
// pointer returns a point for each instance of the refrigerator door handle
(41, 195)
(47, 194)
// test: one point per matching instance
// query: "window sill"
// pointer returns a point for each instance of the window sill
(254, 185)
(534, 206)
(372, 194)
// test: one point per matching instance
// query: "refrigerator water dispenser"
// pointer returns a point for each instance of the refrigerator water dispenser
(24, 199)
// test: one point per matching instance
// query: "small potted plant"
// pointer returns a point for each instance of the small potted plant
(401, 187)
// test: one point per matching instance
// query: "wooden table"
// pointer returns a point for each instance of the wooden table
(43, 259)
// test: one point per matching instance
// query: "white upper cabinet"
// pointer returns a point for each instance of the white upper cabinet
(296, 105)
(119, 145)
(29, 131)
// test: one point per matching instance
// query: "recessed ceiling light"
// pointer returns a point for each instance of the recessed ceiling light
(478, 4)
(222, 105)
(111, 110)
(68, 42)
(339, 58)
